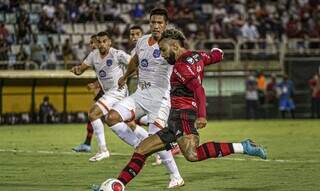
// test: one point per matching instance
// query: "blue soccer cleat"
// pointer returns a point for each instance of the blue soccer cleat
(82, 148)
(252, 149)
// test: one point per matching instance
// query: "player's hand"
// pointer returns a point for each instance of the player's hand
(218, 54)
(122, 82)
(76, 70)
(93, 86)
(201, 122)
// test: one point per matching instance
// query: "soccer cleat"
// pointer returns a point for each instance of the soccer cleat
(252, 149)
(82, 148)
(175, 182)
(99, 156)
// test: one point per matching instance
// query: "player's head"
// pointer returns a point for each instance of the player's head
(158, 22)
(172, 44)
(104, 42)
(135, 32)
(93, 42)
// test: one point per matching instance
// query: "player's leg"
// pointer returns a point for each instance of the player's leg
(146, 148)
(139, 131)
(123, 111)
(188, 140)
(86, 146)
(95, 114)
(167, 158)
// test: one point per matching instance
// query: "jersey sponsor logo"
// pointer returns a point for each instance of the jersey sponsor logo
(144, 63)
(109, 62)
(156, 53)
(102, 73)
(190, 60)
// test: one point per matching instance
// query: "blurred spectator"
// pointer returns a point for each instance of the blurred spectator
(272, 90)
(171, 7)
(80, 51)
(4, 49)
(22, 57)
(251, 97)
(67, 53)
(24, 28)
(250, 33)
(46, 111)
(37, 52)
(285, 91)
(314, 84)
(53, 51)
(4, 32)
(261, 81)
(138, 12)
(49, 10)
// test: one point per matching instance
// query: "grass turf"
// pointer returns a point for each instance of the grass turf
(39, 157)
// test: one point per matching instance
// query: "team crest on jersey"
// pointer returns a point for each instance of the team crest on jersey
(102, 73)
(190, 60)
(109, 62)
(144, 63)
(156, 53)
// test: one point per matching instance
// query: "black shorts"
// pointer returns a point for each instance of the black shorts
(180, 122)
(98, 96)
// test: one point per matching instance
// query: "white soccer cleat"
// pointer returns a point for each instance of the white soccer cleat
(99, 156)
(175, 182)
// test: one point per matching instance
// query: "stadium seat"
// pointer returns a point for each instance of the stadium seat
(11, 28)
(42, 39)
(78, 28)
(76, 38)
(2, 17)
(86, 38)
(11, 18)
(35, 29)
(34, 18)
(122, 27)
(68, 28)
(15, 49)
(101, 27)
(36, 7)
(55, 38)
(90, 28)
(63, 38)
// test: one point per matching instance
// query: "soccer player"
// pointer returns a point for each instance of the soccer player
(188, 110)
(96, 89)
(108, 64)
(152, 96)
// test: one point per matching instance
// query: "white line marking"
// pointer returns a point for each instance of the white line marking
(123, 154)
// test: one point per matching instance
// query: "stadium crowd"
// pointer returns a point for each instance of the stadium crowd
(51, 30)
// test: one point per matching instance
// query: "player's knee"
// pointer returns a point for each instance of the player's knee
(191, 157)
(92, 115)
(132, 125)
(113, 118)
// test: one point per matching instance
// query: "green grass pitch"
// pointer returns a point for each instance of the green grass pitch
(39, 157)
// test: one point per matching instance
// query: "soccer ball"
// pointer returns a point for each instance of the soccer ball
(112, 185)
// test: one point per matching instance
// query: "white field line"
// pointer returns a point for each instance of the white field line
(123, 154)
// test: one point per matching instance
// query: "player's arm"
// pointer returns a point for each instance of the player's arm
(215, 56)
(79, 69)
(191, 81)
(132, 67)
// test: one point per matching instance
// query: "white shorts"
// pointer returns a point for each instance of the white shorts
(109, 99)
(151, 102)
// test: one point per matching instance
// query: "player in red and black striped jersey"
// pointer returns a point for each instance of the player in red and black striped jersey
(188, 110)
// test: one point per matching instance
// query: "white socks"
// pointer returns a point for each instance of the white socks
(98, 128)
(169, 162)
(126, 134)
(144, 120)
(140, 132)
(237, 148)
(166, 156)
